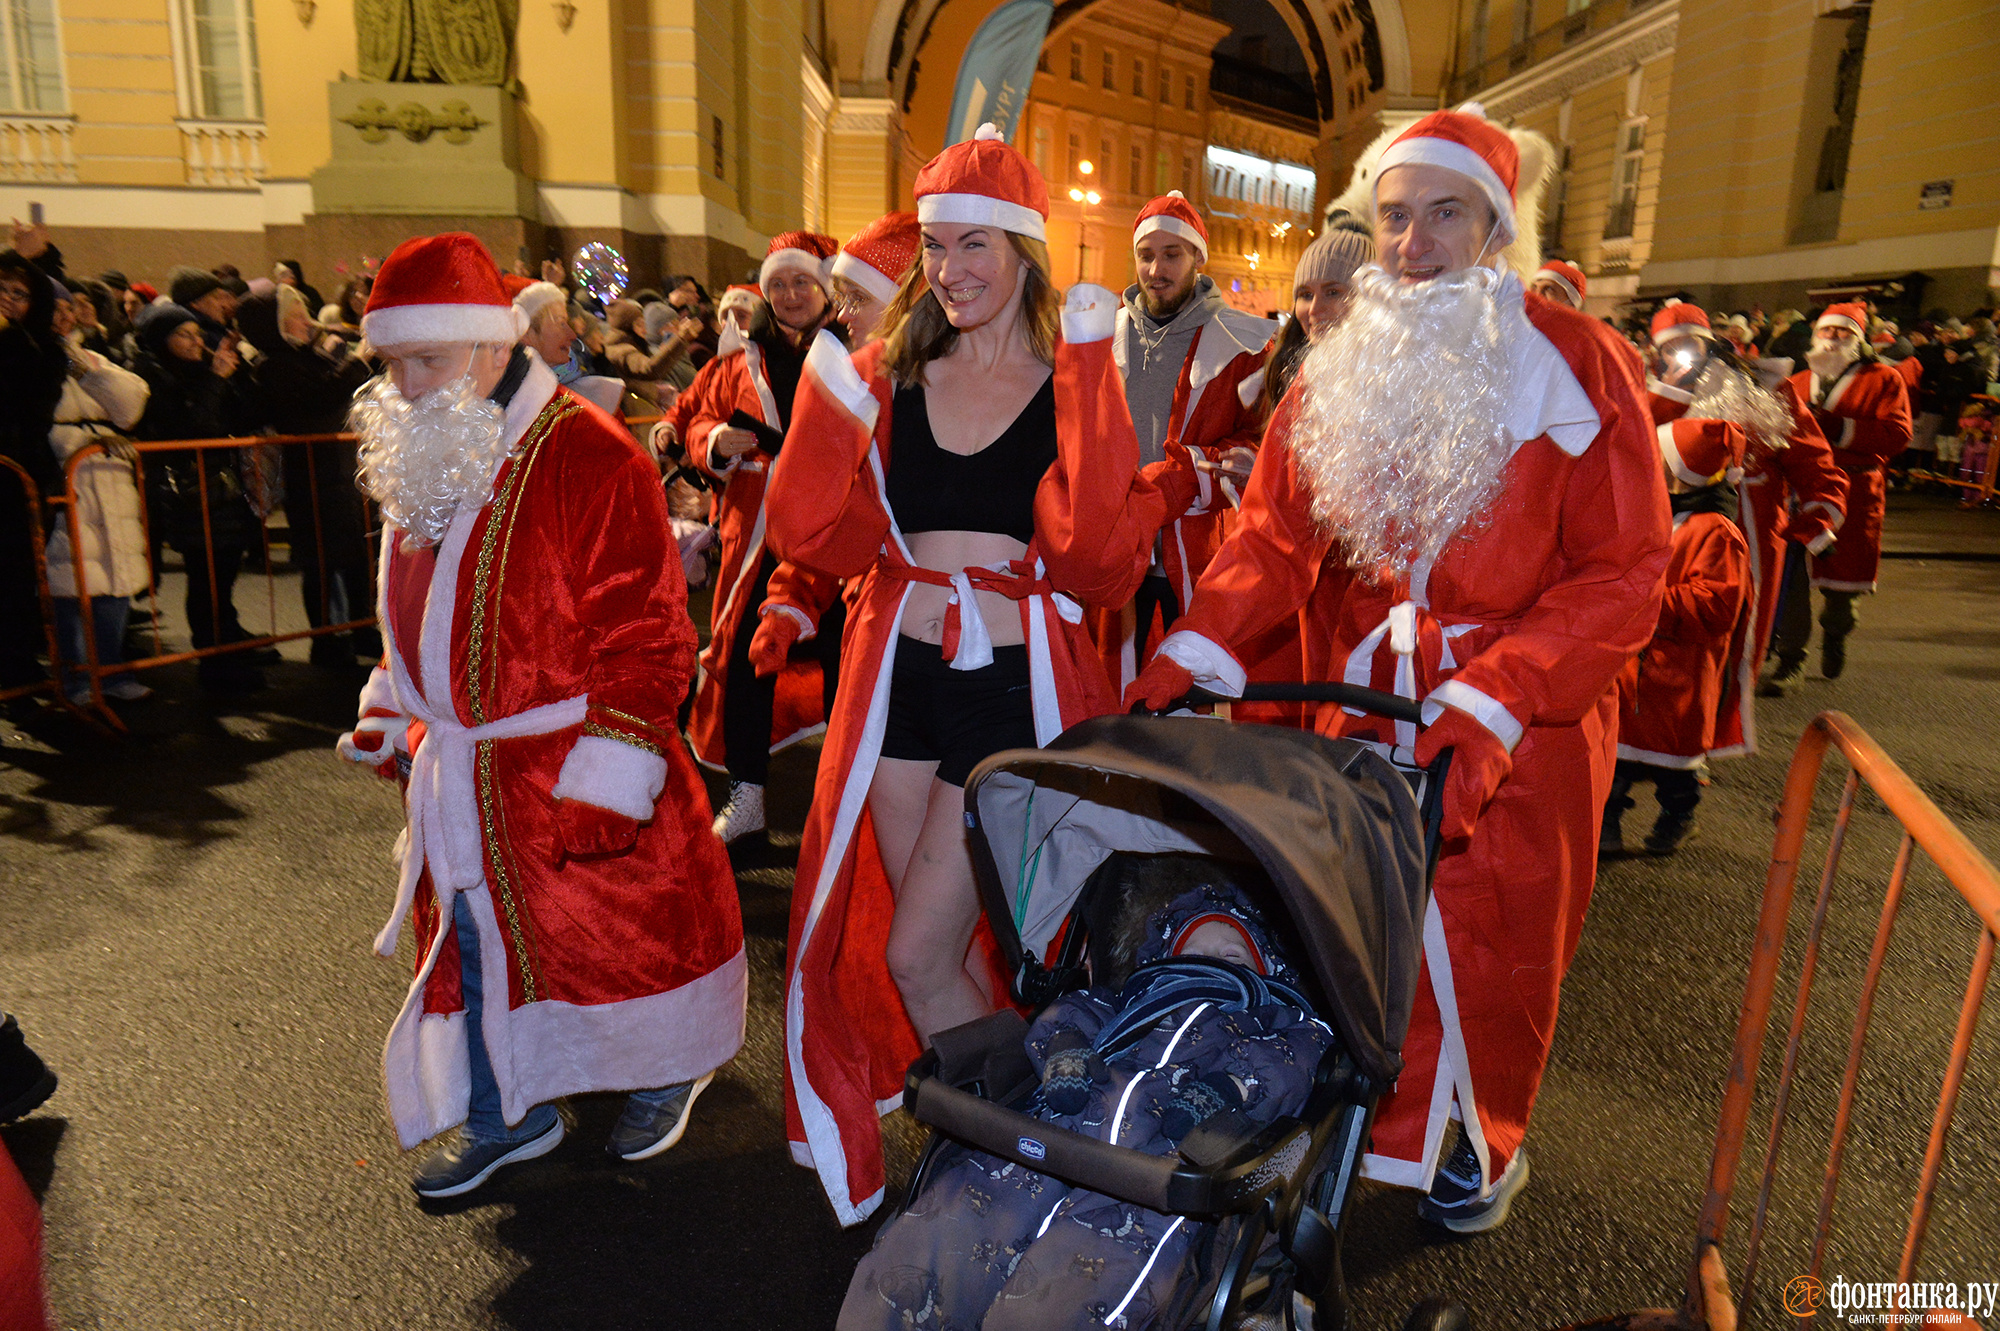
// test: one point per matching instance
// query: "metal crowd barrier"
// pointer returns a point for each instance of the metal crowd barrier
(1709, 1303)
(31, 497)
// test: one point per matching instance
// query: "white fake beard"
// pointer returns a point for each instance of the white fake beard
(1829, 359)
(1725, 394)
(421, 459)
(1400, 432)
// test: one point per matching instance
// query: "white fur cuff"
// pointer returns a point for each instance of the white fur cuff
(1212, 667)
(613, 776)
(807, 628)
(723, 466)
(1089, 313)
(1482, 708)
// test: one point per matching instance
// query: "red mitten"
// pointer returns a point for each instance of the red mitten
(1174, 477)
(772, 643)
(1163, 680)
(589, 829)
(1479, 764)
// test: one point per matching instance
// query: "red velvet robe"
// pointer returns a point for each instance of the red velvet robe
(1214, 410)
(798, 710)
(540, 653)
(1865, 417)
(1795, 493)
(1670, 694)
(1524, 624)
(848, 1041)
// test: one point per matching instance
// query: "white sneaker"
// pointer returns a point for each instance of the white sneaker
(742, 815)
(127, 690)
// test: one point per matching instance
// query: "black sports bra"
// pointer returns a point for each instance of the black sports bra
(993, 490)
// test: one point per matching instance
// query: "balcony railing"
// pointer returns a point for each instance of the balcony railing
(1550, 41)
(223, 153)
(36, 148)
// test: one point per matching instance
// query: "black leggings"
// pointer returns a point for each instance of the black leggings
(747, 700)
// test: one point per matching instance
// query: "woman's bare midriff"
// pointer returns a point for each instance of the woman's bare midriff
(949, 552)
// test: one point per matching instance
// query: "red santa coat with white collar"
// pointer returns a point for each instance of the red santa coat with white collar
(538, 655)
(1795, 493)
(1865, 416)
(848, 1041)
(798, 710)
(1525, 624)
(1670, 695)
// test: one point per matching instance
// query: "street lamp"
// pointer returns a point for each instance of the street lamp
(1084, 199)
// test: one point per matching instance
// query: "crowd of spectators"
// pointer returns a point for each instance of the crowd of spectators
(207, 355)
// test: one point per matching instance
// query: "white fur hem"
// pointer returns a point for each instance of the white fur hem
(620, 777)
(1669, 392)
(1678, 762)
(866, 276)
(1833, 585)
(1211, 665)
(834, 368)
(1480, 707)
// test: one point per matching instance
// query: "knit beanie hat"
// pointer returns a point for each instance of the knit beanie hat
(185, 285)
(1335, 257)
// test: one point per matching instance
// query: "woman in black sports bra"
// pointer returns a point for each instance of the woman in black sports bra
(976, 474)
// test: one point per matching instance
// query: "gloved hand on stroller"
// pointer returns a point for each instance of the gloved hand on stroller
(1195, 1027)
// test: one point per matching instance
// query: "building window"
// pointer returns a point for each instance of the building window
(1110, 71)
(1625, 179)
(1075, 155)
(716, 144)
(1138, 173)
(32, 69)
(1104, 161)
(1187, 177)
(1042, 63)
(1187, 92)
(1166, 86)
(219, 42)
(1076, 62)
(1138, 78)
(1160, 170)
(1042, 150)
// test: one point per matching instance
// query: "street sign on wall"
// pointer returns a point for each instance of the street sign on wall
(998, 67)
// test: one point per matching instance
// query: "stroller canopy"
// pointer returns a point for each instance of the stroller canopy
(1333, 824)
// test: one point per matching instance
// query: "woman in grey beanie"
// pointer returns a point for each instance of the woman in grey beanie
(1320, 287)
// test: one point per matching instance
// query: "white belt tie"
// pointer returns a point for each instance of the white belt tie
(1399, 626)
(443, 826)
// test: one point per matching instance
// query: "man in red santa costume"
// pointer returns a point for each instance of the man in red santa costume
(935, 649)
(1863, 408)
(1560, 281)
(1193, 365)
(577, 926)
(741, 718)
(1482, 460)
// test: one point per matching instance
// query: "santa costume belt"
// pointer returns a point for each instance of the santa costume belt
(967, 644)
(1408, 628)
(443, 825)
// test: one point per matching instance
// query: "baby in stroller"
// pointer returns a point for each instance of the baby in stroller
(1193, 1022)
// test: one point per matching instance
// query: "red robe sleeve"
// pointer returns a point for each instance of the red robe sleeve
(821, 513)
(1870, 424)
(713, 410)
(1705, 602)
(803, 591)
(1602, 599)
(1095, 515)
(1816, 480)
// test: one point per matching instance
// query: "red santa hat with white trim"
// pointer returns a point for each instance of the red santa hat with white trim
(441, 289)
(877, 257)
(1173, 214)
(1467, 142)
(1565, 275)
(806, 252)
(1854, 318)
(1680, 319)
(1702, 452)
(740, 294)
(984, 181)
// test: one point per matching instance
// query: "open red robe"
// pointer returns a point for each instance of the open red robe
(1794, 493)
(739, 382)
(536, 656)
(1524, 624)
(1670, 695)
(1865, 416)
(848, 1041)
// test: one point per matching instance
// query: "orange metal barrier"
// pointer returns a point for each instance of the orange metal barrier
(31, 495)
(91, 665)
(1708, 1303)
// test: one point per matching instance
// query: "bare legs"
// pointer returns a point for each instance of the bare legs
(920, 829)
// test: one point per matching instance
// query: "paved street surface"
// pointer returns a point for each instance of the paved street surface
(185, 920)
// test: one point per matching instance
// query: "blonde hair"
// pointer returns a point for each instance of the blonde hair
(916, 331)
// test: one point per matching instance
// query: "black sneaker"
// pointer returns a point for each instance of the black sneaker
(1611, 840)
(1669, 834)
(25, 1081)
(1789, 669)
(462, 1164)
(1770, 687)
(644, 1130)
(1832, 656)
(1454, 1203)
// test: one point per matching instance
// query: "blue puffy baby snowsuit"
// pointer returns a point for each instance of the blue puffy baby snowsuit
(992, 1245)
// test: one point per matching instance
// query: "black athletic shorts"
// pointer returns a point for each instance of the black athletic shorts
(956, 718)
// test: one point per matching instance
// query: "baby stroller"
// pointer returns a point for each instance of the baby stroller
(1347, 840)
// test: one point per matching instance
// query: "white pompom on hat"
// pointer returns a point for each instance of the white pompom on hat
(984, 181)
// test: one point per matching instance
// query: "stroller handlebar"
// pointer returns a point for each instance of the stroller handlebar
(1373, 701)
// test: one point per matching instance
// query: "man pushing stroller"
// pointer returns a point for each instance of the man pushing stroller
(1194, 1027)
